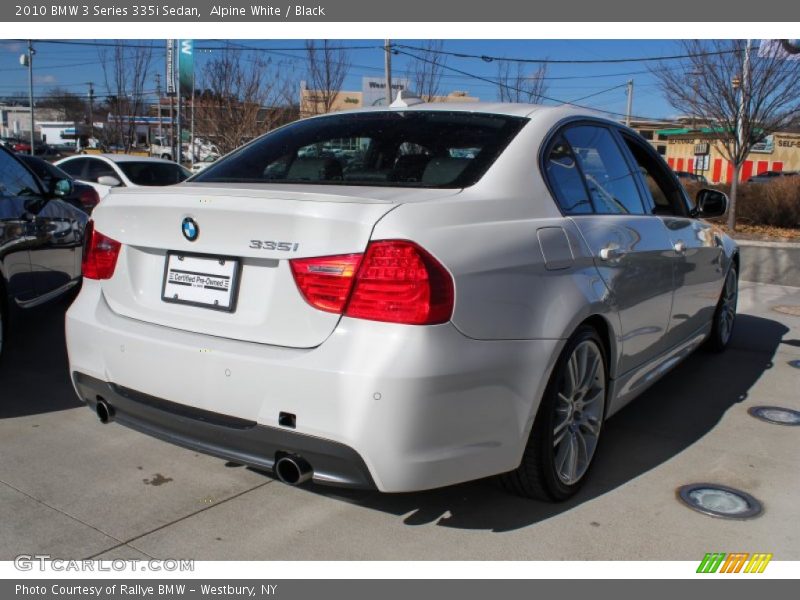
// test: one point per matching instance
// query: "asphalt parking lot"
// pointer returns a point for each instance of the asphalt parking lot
(72, 488)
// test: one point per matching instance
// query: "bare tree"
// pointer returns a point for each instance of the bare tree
(328, 65)
(744, 95)
(426, 70)
(125, 72)
(242, 97)
(73, 104)
(514, 84)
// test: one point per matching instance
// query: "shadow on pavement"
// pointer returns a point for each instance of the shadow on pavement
(668, 418)
(34, 378)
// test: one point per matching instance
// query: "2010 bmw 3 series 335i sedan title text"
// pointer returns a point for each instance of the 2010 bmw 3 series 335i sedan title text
(403, 298)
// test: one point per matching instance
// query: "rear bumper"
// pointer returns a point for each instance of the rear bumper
(398, 408)
(237, 440)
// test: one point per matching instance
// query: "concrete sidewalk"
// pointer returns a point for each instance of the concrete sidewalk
(72, 488)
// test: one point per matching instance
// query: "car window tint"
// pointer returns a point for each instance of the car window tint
(73, 167)
(97, 168)
(433, 149)
(153, 173)
(16, 180)
(611, 183)
(565, 179)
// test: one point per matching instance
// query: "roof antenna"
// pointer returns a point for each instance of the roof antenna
(406, 98)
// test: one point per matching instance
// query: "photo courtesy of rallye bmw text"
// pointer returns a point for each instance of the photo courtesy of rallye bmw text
(290, 298)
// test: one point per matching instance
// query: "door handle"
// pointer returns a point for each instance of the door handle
(611, 253)
(679, 247)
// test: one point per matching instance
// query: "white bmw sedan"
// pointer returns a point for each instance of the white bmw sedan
(105, 172)
(403, 298)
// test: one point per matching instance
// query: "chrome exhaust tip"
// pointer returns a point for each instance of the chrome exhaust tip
(105, 412)
(293, 470)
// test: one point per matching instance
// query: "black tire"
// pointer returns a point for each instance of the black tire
(537, 477)
(721, 334)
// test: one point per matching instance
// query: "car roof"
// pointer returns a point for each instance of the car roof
(499, 108)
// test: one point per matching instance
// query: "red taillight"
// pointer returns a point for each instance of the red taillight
(99, 254)
(396, 281)
(325, 281)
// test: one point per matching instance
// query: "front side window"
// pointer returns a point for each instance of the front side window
(97, 169)
(74, 167)
(667, 198)
(431, 149)
(16, 180)
(612, 185)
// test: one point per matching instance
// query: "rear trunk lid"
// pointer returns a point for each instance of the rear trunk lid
(255, 227)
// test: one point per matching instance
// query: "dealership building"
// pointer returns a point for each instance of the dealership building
(372, 93)
(698, 151)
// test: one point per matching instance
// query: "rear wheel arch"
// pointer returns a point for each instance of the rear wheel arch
(606, 333)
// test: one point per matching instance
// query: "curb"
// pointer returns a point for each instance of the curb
(770, 262)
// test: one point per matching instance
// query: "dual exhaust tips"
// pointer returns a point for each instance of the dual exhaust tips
(289, 468)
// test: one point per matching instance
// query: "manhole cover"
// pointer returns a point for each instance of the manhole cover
(719, 501)
(775, 414)
(788, 309)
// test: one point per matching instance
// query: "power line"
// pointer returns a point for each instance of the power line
(616, 87)
(509, 87)
(551, 61)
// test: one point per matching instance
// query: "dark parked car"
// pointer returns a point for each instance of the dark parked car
(768, 176)
(83, 195)
(41, 239)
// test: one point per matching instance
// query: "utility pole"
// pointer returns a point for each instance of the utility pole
(29, 60)
(91, 110)
(158, 93)
(629, 110)
(387, 65)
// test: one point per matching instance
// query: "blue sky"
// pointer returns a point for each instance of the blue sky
(71, 66)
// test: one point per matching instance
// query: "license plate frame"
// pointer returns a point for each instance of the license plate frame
(232, 275)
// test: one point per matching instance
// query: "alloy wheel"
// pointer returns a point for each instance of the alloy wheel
(727, 308)
(580, 404)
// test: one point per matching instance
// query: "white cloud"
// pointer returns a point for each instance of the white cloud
(44, 79)
(12, 46)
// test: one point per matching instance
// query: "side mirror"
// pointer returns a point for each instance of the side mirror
(710, 203)
(109, 180)
(61, 187)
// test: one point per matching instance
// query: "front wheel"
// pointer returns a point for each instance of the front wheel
(567, 427)
(725, 314)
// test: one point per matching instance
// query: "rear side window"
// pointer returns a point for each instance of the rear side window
(611, 184)
(430, 149)
(566, 180)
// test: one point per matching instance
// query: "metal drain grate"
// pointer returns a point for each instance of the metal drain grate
(719, 501)
(776, 415)
(788, 309)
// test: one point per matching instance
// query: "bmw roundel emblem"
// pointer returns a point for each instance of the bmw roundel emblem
(190, 229)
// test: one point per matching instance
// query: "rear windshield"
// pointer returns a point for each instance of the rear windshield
(434, 149)
(153, 173)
